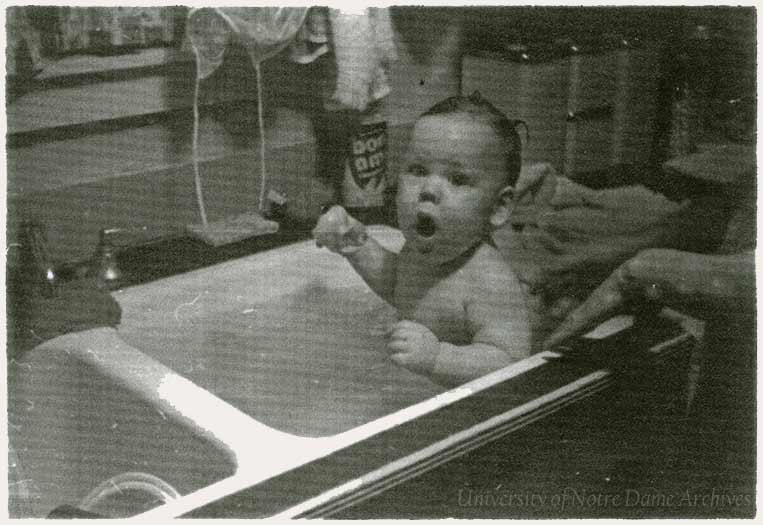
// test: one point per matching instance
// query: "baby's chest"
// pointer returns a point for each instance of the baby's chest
(440, 306)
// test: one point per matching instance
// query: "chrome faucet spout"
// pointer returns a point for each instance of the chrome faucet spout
(107, 270)
(34, 245)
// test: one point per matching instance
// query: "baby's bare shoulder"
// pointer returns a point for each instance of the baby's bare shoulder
(486, 274)
(487, 263)
(496, 302)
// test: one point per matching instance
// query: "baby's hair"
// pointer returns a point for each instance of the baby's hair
(505, 128)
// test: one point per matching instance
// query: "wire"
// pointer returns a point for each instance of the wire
(195, 146)
(261, 122)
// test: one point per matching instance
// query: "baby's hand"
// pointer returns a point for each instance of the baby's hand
(339, 232)
(413, 346)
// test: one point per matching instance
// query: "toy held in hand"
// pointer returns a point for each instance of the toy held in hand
(339, 231)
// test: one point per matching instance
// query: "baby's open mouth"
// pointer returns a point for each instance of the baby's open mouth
(425, 225)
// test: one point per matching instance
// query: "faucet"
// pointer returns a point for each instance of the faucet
(35, 256)
(105, 265)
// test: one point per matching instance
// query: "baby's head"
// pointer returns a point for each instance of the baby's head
(457, 181)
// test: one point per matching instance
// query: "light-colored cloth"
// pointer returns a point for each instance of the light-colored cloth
(262, 31)
(362, 41)
(364, 49)
(569, 228)
(312, 40)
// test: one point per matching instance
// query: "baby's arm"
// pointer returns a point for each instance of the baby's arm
(501, 337)
(342, 234)
(377, 266)
(415, 347)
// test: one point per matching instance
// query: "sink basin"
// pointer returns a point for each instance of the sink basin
(71, 426)
(291, 337)
(258, 387)
(206, 372)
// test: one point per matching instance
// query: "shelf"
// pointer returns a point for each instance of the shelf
(160, 96)
(78, 65)
(50, 166)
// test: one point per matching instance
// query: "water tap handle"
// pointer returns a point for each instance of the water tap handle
(108, 272)
(35, 248)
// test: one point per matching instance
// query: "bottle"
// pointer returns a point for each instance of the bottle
(366, 183)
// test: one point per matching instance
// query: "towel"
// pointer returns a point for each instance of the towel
(312, 39)
(566, 238)
(364, 48)
(362, 41)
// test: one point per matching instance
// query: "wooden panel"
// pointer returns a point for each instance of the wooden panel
(588, 145)
(635, 105)
(591, 87)
(79, 105)
(167, 88)
(592, 80)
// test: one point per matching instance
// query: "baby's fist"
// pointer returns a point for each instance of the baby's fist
(413, 346)
(339, 231)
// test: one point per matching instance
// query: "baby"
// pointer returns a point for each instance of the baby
(464, 313)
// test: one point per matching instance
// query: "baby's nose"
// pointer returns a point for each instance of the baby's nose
(430, 189)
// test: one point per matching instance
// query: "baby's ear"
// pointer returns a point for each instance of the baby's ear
(503, 205)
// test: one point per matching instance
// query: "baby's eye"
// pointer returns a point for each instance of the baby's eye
(458, 179)
(417, 170)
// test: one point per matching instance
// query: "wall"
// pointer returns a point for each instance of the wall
(86, 156)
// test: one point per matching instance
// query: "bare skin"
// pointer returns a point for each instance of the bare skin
(462, 307)
(697, 284)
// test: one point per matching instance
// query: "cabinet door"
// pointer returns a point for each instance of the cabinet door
(635, 106)
(590, 110)
(535, 93)
(584, 113)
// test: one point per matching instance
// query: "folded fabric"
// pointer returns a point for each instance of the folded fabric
(566, 238)
(719, 163)
(364, 48)
(567, 227)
